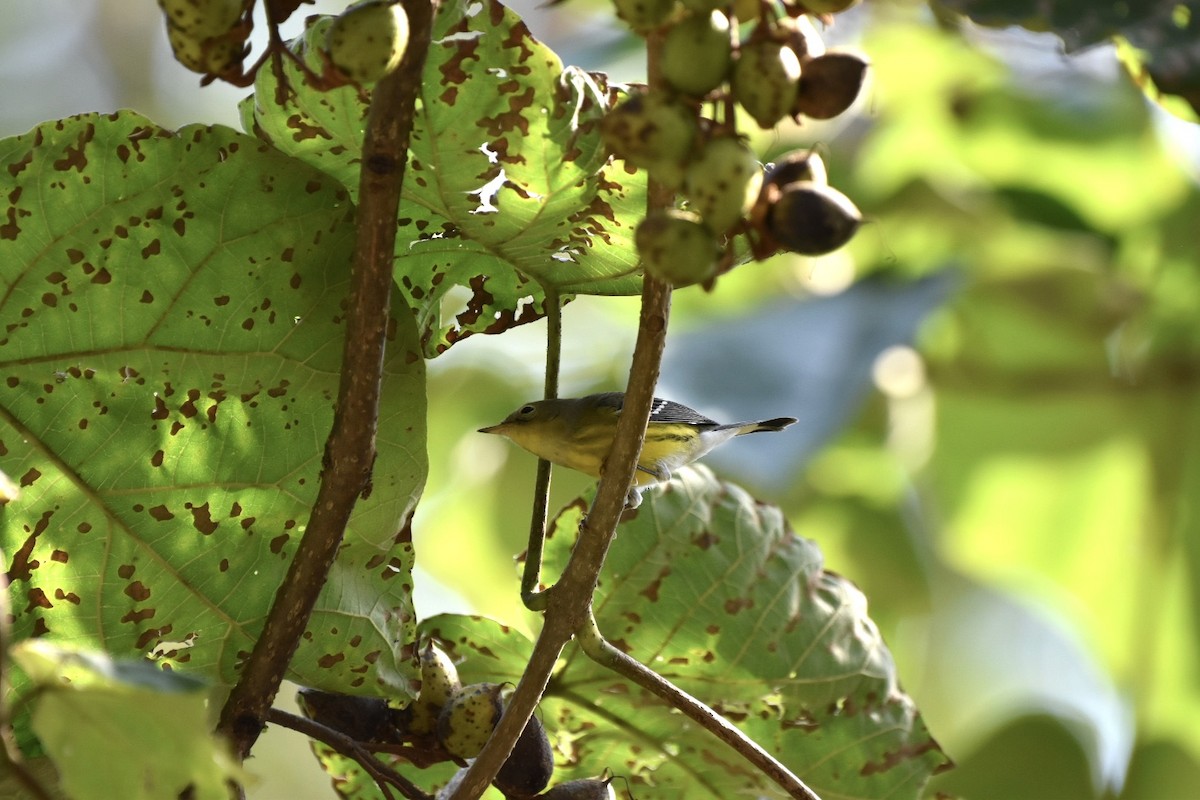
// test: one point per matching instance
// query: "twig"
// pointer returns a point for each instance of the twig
(570, 598)
(381, 773)
(534, 599)
(603, 652)
(350, 450)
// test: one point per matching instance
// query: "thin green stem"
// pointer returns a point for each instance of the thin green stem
(531, 594)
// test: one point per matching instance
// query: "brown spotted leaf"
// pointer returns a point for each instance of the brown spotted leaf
(170, 338)
(715, 592)
(507, 188)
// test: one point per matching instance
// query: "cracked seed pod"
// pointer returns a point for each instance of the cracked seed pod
(830, 84)
(468, 719)
(697, 54)
(368, 39)
(201, 19)
(723, 182)
(828, 6)
(765, 78)
(677, 247)
(650, 131)
(210, 56)
(644, 15)
(811, 219)
(585, 789)
(439, 683)
(530, 765)
(798, 165)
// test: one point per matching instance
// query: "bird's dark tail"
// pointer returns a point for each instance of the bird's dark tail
(777, 424)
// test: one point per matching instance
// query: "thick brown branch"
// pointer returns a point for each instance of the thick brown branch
(350, 449)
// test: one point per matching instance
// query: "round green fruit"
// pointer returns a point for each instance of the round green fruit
(677, 247)
(765, 80)
(644, 15)
(650, 131)
(201, 19)
(210, 56)
(467, 721)
(439, 683)
(723, 182)
(703, 6)
(747, 10)
(697, 53)
(368, 39)
(812, 219)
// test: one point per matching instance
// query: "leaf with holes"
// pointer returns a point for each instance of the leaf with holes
(507, 188)
(714, 592)
(170, 337)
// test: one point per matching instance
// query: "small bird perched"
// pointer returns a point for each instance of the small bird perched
(578, 433)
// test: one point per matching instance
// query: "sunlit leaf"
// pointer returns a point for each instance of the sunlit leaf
(506, 188)
(170, 338)
(717, 594)
(123, 729)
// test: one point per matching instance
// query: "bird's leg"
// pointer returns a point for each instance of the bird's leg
(660, 473)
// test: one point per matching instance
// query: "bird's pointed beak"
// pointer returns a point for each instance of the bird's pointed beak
(489, 429)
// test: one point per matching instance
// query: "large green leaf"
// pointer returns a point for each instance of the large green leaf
(171, 327)
(124, 729)
(507, 187)
(716, 593)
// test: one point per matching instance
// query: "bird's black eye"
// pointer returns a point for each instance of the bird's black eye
(526, 412)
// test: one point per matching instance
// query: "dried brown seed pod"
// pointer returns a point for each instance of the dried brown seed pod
(812, 219)
(830, 84)
(798, 165)
(530, 765)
